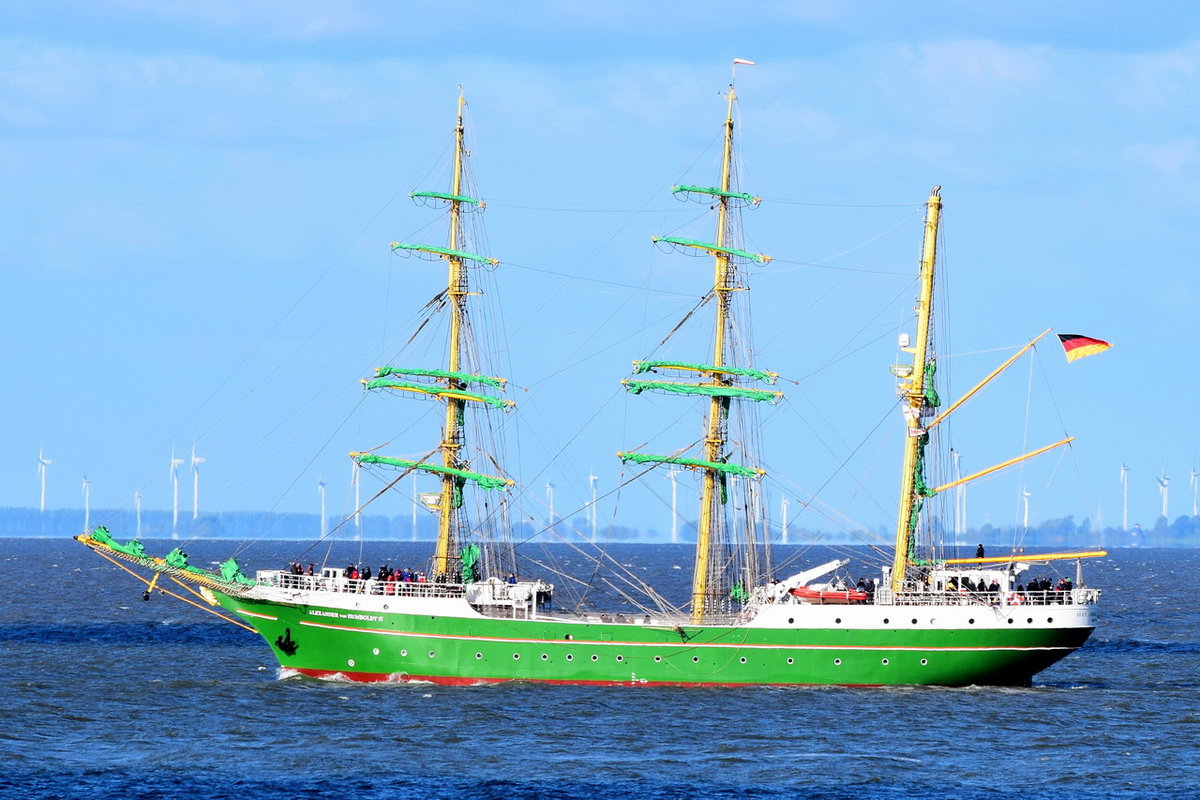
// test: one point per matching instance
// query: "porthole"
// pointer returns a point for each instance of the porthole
(791, 661)
(695, 659)
(885, 620)
(569, 637)
(1049, 619)
(375, 651)
(743, 659)
(838, 621)
(657, 659)
(545, 657)
(350, 662)
(971, 621)
(924, 662)
(1030, 620)
(620, 658)
(837, 662)
(404, 654)
(1010, 620)
(595, 657)
(914, 620)
(791, 620)
(570, 657)
(516, 656)
(478, 656)
(885, 662)
(386, 606)
(431, 654)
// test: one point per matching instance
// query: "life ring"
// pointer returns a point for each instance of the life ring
(1015, 599)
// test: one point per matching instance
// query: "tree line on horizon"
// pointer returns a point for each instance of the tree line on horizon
(1060, 533)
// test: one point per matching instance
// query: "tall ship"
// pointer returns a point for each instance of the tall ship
(468, 620)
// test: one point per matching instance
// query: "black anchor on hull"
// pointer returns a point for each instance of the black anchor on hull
(285, 643)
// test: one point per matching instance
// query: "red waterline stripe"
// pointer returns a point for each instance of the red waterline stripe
(696, 645)
(441, 680)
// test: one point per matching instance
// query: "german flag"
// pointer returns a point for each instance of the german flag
(1076, 346)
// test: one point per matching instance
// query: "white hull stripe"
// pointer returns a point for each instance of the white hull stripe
(260, 616)
(689, 645)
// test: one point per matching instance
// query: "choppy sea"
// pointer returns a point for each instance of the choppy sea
(106, 696)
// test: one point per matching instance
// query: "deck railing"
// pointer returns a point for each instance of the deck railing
(320, 583)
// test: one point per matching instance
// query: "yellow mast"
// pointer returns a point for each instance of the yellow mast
(714, 441)
(456, 292)
(912, 393)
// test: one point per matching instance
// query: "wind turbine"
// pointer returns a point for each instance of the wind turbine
(783, 510)
(196, 462)
(321, 490)
(1193, 490)
(671, 473)
(42, 462)
(137, 507)
(550, 502)
(960, 499)
(175, 463)
(1124, 497)
(1025, 499)
(1163, 488)
(592, 478)
(87, 505)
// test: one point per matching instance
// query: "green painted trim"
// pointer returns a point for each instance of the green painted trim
(715, 192)
(439, 391)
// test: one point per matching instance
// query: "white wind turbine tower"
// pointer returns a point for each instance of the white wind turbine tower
(42, 463)
(1164, 481)
(321, 490)
(783, 511)
(175, 464)
(671, 473)
(137, 507)
(87, 504)
(1193, 477)
(1124, 497)
(592, 478)
(1025, 515)
(196, 462)
(960, 500)
(550, 502)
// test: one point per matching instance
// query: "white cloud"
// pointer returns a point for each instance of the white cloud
(1168, 158)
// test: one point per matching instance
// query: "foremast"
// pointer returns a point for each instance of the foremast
(719, 381)
(917, 399)
(453, 385)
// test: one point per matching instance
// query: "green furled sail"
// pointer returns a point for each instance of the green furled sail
(758, 258)
(483, 481)
(462, 255)
(713, 191)
(759, 395)
(465, 377)
(697, 463)
(439, 391)
(647, 366)
(457, 198)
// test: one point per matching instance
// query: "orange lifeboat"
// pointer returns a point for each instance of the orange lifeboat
(829, 596)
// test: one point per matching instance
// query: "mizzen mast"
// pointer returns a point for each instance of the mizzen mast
(917, 401)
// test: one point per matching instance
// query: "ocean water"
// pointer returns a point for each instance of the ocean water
(106, 696)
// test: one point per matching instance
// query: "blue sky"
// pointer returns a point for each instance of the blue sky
(199, 198)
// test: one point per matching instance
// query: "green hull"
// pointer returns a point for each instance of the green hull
(866, 648)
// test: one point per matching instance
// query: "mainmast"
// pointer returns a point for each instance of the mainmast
(453, 384)
(918, 400)
(721, 381)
